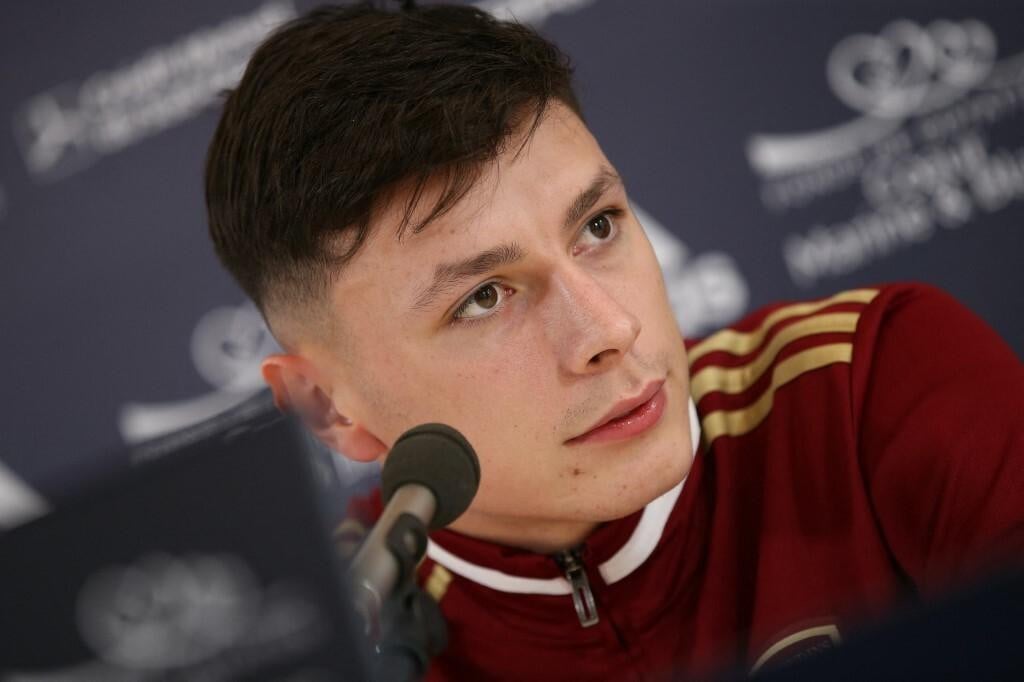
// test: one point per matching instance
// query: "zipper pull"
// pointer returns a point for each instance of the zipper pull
(582, 596)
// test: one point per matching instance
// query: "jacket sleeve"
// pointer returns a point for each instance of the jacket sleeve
(939, 408)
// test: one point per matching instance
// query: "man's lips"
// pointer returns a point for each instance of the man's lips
(628, 417)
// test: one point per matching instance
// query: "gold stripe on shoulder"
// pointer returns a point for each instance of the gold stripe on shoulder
(438, 581)
(739, 379)
(740, 343)
(738, 422)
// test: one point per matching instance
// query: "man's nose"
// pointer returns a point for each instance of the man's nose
(593, 329)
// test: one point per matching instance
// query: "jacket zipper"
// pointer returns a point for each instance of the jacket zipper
(571, 563)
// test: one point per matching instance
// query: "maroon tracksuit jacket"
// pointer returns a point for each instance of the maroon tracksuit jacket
(853, 452)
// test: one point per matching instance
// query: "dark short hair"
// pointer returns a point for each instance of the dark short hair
(339, 108)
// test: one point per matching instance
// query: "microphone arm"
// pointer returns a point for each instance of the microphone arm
(430, 477)
(375, 573)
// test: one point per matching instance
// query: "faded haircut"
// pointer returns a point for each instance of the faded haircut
(340, 108)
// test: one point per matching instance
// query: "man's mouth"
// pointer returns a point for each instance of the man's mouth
(629, 417)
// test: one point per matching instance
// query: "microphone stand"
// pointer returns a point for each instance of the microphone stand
(412, 629)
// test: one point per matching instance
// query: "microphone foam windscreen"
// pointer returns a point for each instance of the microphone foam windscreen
(437, 457)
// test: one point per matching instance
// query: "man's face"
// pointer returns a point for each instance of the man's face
(526, 316)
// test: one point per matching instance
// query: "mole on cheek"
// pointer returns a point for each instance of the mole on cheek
(577, 471)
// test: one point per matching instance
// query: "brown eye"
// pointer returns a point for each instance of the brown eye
(484, 301)
(601, 226)
(486, 296)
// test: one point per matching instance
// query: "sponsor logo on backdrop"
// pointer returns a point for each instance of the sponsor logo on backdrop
(920, 158)
(65, 129)
(533, 12)
(227, 346)
(197, 616)
(707, 290)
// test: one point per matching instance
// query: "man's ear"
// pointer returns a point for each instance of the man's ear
(296, 387)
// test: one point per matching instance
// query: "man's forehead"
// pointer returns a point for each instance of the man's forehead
(533, 177)
(529, 170)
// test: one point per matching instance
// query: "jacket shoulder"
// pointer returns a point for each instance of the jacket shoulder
(735, 372)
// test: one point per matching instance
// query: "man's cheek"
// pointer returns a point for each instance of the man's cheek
(498, 417)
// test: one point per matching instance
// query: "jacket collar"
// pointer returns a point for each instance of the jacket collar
(524, 572)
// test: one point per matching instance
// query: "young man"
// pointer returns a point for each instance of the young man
(433, 235)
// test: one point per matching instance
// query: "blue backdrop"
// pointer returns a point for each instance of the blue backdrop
(775, 150)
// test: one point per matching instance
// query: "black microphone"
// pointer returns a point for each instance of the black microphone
(432, 474)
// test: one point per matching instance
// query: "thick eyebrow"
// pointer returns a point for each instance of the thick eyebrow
(586, 199)
(447, 275)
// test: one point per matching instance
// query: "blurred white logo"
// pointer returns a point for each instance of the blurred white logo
(923, 153)
(190, 617)
(227, 346)
(166, 611)
(533, 12)
(18, 502)
(66, 128)
(705, 291)
(905, 70)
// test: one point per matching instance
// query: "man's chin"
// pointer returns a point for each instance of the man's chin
(634, 499)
